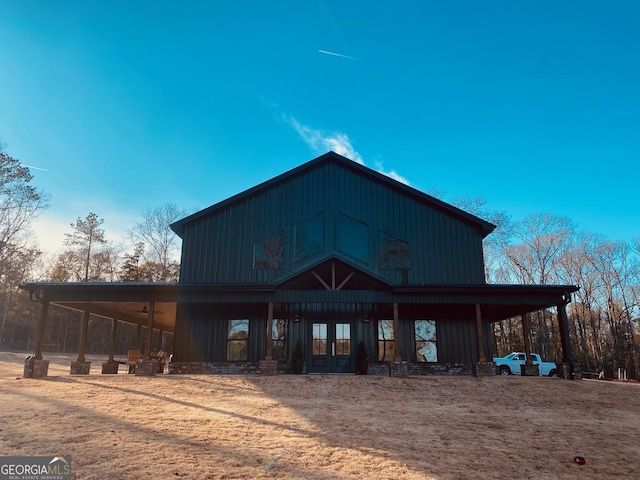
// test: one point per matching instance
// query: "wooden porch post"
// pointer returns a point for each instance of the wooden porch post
(147, 344)
(269, 346)
(563, 327)
(161, 341)
(528, 368)
(396, 333)
(481, 355)
(42, 324)
(81, 366)
(112, 339)
(111, 366)
(36, 367)
(525, 334)
(268, 366)
(83, 336)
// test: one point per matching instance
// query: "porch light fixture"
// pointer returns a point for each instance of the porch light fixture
(366, 319)
(296, 318)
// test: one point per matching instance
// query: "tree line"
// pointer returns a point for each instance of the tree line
(149, 253)
(604, 312)
(539, 249)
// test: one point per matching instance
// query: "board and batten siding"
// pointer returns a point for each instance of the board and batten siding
(202, 329)
(443, 248)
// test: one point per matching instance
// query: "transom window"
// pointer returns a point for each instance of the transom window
(425, 336)
(386, 341)
(268, 254)
(237, 340)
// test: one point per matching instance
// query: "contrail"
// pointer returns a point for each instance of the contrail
(35, 168)
(339, 55)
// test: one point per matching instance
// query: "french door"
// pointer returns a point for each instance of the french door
(331, 347)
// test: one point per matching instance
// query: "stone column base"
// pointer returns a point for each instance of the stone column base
(147, 368)
(567, 370)
(484, 369)
(80, 368)
(398, 369)
(35, 368)
(110, 368)
(529, 370)
(268, 367)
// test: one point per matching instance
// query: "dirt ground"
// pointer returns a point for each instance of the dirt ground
(320, 426)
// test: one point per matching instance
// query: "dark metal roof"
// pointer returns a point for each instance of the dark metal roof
(485, 226)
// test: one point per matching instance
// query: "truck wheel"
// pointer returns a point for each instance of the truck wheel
(553, 373)
(505, 371)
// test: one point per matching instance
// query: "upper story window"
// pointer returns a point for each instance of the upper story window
(353, 238)
(268, 254)
(309, 238)
(394, 253)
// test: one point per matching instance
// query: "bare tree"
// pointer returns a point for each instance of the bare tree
(493, 245)
(578, 270)
(535, 258)
(616, 270)
(161, 243)
(20, 204)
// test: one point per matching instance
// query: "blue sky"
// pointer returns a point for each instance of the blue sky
(534, 105)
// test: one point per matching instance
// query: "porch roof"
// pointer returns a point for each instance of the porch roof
(130, 301)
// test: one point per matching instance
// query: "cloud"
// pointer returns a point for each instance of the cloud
(391, 173)
(320, 141)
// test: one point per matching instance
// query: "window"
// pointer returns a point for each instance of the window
(386, 343)
(353, 238)
(394, 253)
(268, 254)
(309, 238)
(279, 339)
(343, 339)
(319, 339)
(238, 340)
(425, 335)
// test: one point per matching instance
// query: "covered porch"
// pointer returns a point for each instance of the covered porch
(464, 315)
(149, 307)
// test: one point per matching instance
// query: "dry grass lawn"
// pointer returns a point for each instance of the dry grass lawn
(320, 426)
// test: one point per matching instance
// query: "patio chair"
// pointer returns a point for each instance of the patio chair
(132, 357)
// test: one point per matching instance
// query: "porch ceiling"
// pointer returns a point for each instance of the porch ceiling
(136, 313)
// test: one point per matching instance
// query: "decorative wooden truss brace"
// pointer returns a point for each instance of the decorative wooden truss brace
(333, 278)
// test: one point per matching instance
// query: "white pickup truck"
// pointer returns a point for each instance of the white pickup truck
(511, 364)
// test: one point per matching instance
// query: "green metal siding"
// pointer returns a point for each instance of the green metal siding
(201, 331)
(218, 247)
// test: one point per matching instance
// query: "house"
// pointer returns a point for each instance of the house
(329, 254)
